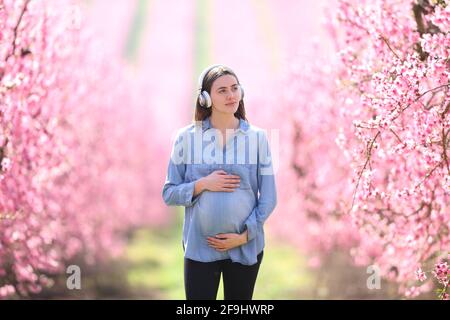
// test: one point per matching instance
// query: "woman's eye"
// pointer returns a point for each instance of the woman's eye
(222, 91)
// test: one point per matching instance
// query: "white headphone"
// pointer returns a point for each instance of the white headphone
(203, 97)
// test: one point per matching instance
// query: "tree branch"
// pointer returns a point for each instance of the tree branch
(16, 28)
(369, 153)
(389, 46)
(419, 97)
(396, 135)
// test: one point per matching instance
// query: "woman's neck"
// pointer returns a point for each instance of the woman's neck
(224, 121)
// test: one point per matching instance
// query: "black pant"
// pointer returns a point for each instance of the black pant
(201, 279)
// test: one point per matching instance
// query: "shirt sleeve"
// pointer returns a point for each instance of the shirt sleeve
(267, 199)
(177, 192)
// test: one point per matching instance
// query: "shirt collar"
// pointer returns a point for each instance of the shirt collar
(243, 125)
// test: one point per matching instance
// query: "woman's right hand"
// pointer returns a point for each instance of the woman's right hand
(219, 180)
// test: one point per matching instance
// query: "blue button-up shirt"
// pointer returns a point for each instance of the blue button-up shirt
(196, 153)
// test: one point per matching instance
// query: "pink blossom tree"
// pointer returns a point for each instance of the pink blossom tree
(76, 169)
(369, 161)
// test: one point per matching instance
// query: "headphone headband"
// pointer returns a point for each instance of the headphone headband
(204, 73)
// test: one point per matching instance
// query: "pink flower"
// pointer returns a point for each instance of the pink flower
(420, 275)
(412, 292)
(441, 272)
(5, 164)
(7, 291)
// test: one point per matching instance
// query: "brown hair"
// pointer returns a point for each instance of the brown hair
(201, 113)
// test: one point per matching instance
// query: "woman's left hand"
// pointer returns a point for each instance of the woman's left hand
(227, 241)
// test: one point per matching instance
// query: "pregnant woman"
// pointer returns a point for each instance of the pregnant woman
(221, 171)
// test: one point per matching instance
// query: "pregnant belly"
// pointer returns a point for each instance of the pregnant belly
(223, 212)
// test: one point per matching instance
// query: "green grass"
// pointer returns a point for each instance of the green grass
(155, 260)
(155, 263)
(283, 273)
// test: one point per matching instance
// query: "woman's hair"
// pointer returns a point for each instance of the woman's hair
(201, 113)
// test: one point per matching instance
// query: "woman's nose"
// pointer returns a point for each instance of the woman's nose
(230, 96)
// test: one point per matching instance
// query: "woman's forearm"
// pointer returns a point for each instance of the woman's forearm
(244, 236)
(199, 186)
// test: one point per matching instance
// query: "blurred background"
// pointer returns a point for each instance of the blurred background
(132, 86)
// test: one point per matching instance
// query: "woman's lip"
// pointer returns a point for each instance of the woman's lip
(230, 103)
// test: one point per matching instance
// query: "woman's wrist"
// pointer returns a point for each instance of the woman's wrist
(244, 236)
(199, 186)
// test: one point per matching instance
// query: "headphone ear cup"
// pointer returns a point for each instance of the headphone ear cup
(208, 102)
(204, 99)
(201, 99)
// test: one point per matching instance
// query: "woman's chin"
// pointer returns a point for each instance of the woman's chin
(229, 109)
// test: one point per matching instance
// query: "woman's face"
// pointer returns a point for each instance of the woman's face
(225, 94)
